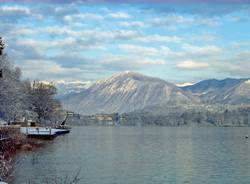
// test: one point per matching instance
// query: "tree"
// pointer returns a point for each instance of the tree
(1, 53)
(43, 101)
(2, 45)
(11, 98)
(19, 98)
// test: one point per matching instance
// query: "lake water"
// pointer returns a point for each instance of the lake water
(142, 155)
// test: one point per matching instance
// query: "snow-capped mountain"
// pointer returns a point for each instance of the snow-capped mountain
(126, 92)
(226, 91)
(240, 94)
(71, 88)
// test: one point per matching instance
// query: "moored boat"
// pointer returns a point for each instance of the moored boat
(43, 132)
(46, 132)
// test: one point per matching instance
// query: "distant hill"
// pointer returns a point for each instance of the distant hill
(126, 92)
(227, 91)
(190, 115)
(130, 91)
(70, 88)
(240, 94)
(225, 103)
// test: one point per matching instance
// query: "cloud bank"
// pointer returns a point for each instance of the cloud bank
(77, 41)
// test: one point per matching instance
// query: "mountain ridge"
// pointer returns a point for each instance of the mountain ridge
(125, 92)
(220, 91)
(130, 91)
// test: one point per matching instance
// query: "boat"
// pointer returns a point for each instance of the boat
(46, 132)
(43, 132)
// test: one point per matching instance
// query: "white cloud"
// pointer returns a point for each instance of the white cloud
(129, 62)
(119, 15)
(190, 65)
(202, 50)
(58, 30)
(46, 44)
(12, 14)
(23, 31)
(174, 21)
(46, 69)
(240, 45)
(159, 38)
(139, 50)
(132, 24)
(82, 17)
(184, 84)
(204, 38)
(239, 19)
(162, 51)
(66, 36)
(171, 19)
(14, 9)
(105, 36)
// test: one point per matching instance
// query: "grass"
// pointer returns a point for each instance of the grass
(9, 147)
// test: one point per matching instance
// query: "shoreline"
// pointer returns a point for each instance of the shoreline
(10, 147)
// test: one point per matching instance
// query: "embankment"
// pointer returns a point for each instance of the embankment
(12, 142)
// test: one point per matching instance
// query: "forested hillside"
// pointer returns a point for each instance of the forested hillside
(190, 115)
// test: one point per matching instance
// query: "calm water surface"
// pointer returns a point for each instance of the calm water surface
(149, 155)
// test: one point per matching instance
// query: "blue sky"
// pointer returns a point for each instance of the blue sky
(77, 40)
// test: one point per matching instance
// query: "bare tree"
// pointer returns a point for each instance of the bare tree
(20, 98)
(2, 45)
(11, 97)
(1, 53)
(43, 100)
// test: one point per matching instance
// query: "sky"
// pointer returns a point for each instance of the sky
(179, 41)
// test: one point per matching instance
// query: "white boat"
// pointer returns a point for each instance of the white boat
(46, 132)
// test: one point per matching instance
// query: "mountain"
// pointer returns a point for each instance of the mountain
(240, 94)
(126, 92)
(70, 88)
(227, 91)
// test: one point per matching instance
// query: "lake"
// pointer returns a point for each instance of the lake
(142, 155)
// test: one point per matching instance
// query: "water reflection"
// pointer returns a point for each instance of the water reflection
(143, 155)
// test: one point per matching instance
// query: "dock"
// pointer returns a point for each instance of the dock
(43, 132)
